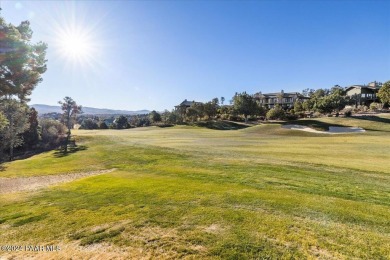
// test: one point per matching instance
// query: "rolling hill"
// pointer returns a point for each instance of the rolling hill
(44, 109)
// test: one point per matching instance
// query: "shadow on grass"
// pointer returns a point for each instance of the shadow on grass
(71, 150)
(165, 125)
(22, 154)
(221, 125)
(374, 119)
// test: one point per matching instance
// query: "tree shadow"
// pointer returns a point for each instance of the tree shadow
(21, 155)
(374, 119)
(59, 153)
(221, 125)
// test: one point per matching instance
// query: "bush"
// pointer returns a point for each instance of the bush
(52, 132)
(291, 117)
(348, 112)
(376, 106)
(276, 113)
(224, 117)
(252, 118)
(360, 109)
(103, 125)
(89, 124)
(235, 118)
(317, 114)
(121, 122)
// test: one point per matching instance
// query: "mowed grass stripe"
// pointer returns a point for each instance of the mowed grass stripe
(278, 216)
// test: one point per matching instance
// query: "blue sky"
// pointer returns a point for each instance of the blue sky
(154, 54)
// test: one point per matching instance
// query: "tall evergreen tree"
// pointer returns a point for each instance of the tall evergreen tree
(154, 117)
(31, 136)
(21, 63)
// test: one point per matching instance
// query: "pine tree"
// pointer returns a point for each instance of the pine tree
(70, 110)
(21, 63)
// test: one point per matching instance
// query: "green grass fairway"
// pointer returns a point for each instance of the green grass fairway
(260, 192)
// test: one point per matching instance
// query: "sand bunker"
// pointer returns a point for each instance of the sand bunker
(332, 129)
(8, 185)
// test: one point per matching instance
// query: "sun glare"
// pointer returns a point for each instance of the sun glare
(75, 37)
(75, 45)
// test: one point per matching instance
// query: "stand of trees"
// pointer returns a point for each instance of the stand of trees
(326, 101)
(21, 66)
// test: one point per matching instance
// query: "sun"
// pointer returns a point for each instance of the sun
(76, 37)
(75, 45)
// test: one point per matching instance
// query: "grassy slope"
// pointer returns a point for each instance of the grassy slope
(262, 191)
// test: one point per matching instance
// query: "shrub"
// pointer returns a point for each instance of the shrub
(224, 117)
(317, 114)
(376, 106)
(103, 125)
(291, 116)
(276, 113)
(235, 118)
(89, 124)
(121, 122)
(348, 113)
(360, 109)
(52, 132)
(252, 118)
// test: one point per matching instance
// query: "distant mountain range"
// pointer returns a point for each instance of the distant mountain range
(44, 109)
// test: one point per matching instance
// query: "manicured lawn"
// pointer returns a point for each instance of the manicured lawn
(256, 192)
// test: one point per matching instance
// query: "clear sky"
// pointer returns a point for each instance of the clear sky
(154, 54)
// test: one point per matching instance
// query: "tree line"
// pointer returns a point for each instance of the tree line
(243, 107)
(22, 64)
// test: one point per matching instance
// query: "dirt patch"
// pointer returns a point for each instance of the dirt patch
(214, 228)
(8, 185)
(321, 253)
(74, 251)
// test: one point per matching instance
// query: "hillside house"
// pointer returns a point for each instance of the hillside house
(283, 99)
(185, 104)
(182, 107)
(363, 94)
